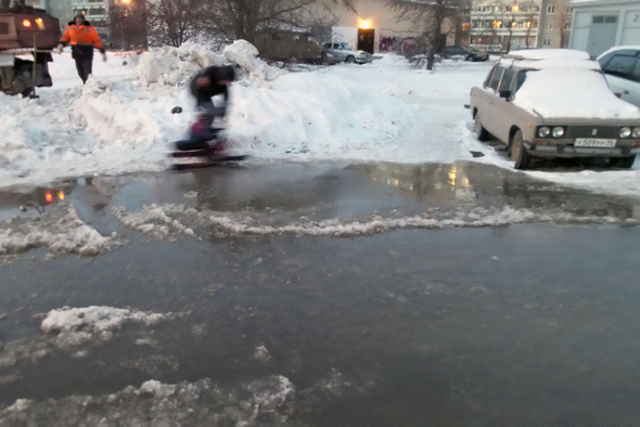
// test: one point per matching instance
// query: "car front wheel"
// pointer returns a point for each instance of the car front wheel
(622, 162)
(521, 159)
(350, 59)
(481, 132)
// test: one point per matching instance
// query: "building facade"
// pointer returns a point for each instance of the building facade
(373, 27)
(96, 12)
(601, 24)
(555, 24)
(502, 26)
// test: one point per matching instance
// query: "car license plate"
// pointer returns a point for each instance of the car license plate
(595, 142)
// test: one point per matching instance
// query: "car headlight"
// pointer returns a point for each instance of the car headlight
(558, 132)
(635, 133)
(625, 132)
(544, 131)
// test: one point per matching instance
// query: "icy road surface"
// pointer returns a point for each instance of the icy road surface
(319, 294)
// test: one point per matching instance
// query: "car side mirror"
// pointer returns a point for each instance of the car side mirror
(506, 94)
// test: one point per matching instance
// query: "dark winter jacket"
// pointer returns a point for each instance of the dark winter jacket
(215, 74)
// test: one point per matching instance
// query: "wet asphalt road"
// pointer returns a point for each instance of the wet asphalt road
(530, 319)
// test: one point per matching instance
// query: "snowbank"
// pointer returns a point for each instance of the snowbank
(122, 120)
(171, 66)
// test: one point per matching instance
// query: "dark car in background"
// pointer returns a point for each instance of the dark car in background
(464, 52)
(289, 46)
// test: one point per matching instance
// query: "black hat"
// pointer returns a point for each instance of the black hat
(226, 72)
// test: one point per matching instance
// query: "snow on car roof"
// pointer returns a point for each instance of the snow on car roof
(550, 58)
(567, 93)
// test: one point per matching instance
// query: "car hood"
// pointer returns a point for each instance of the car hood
(572, 94)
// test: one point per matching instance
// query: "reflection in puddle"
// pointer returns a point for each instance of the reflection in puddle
(473, 183)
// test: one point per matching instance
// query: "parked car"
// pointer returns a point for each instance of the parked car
(464, 52)
(554, 103)
(290, 46)
(344, 52)
(621, 66)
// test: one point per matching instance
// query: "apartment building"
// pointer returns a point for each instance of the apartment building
(555, 24)
(501, 26)
(96, 12)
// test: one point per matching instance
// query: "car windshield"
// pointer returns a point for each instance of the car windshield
(346, 46)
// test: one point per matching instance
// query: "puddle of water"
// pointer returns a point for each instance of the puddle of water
(453, 318)
(503, 324)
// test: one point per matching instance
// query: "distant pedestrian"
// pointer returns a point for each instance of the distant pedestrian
(83, 38)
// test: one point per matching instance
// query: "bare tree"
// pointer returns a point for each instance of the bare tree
(177, 21)
(564, 18)
(428, 16)
(128, 24)
(173, 22)
(508, 22)
(241, 19)
(531, 24)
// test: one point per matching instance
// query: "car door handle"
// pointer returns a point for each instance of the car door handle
(625, 92)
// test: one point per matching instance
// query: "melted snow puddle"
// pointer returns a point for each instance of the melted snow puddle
(169, 221)
(74, 326)
(58, 229)
(266, 401)
(72, 330)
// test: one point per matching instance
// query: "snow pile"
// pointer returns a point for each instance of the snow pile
(245, 54)
(115, 119)
(385, 111)
(171, 66)
(325, 117)
(390, 60)
(74, 326)
(60, 229)
(268, 401)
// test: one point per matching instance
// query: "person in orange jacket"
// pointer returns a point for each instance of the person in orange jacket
(82, 37)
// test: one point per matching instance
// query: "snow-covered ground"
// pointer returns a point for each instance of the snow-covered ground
(121, 121)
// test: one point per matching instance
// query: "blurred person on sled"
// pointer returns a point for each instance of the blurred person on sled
(205, 85)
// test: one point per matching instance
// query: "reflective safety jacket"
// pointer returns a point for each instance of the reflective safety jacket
(84, 34)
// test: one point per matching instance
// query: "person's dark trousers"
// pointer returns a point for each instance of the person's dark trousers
(84, 68)
(83, 55)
